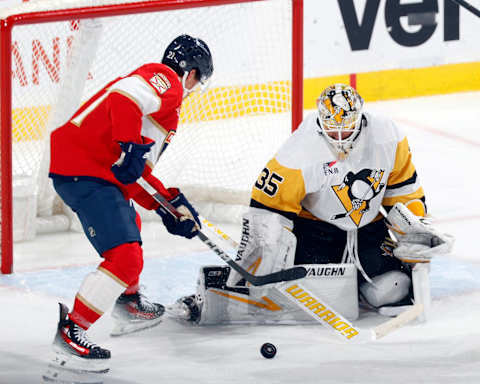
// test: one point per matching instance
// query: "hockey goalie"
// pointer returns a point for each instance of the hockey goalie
(317, 203)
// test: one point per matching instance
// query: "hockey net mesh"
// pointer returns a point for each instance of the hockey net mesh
(225, 135)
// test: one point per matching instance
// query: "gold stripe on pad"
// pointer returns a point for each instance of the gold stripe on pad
(88, 305)
(112, 276)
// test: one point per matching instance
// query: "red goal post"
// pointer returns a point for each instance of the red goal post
(257, 47)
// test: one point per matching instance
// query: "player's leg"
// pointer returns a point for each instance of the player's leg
(392, 288)
(99, 289)
(109, 223)
(133, 311)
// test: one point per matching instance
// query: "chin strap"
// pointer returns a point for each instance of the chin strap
(186, 92)
(202, 85)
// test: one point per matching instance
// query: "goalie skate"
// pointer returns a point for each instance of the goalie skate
(187, 308)
(133, 313)
(73, 351)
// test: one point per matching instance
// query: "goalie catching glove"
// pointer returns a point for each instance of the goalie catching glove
(267, 244)
(188, 224)
(415, 240)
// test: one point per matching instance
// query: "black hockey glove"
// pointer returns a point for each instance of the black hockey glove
(187, 225)
(131, 163)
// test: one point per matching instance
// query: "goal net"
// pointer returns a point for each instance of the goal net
(61, 52)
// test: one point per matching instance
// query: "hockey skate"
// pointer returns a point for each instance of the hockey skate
(186, 308)
(189, 308)
(73, 350)
(133, 313)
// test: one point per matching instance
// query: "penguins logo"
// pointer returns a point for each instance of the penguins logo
(356, 192)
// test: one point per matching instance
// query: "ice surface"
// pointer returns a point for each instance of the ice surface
(443, 135)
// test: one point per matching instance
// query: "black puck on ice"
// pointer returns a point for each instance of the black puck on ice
(268, 350)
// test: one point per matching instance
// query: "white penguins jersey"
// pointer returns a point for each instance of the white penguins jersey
(306, 178)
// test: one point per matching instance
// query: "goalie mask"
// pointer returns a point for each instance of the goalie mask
(340, 117)
(185, 53)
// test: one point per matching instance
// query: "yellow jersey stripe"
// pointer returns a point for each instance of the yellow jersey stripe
(280, 188)
(403, 168)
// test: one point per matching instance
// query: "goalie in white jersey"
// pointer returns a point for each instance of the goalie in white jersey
(316, 203)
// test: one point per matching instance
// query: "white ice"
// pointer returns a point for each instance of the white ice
(443, 135)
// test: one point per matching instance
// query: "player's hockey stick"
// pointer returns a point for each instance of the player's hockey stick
(219, 232)
(276, 277)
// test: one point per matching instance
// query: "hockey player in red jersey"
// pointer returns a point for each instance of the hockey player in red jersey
(97, 161)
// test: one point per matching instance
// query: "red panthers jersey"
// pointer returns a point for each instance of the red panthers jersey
(140, 107)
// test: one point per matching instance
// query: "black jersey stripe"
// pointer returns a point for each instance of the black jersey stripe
(256, 204)
(411, 180)
(422, 199)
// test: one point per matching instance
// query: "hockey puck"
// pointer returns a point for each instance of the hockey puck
(268, 350)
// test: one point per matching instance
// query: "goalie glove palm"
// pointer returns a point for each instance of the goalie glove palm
(417, 240)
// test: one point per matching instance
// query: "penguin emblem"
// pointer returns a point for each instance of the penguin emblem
(356, 192)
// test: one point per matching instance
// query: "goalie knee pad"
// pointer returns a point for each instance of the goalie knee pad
(125, 262)
(388, 288)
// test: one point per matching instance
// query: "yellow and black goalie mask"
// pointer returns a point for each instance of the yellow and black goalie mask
(340, 117)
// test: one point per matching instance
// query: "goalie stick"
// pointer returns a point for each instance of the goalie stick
(335, 322)
(276, 277)
(323, 313)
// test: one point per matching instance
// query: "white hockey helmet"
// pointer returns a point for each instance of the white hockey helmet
(340, 117)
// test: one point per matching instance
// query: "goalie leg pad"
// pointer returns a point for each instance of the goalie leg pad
(267, 244)
(388, 288)
(221, 304)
